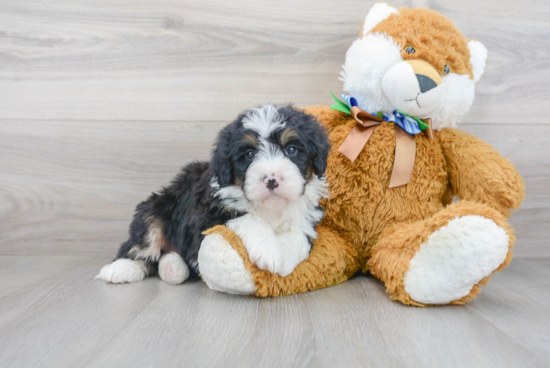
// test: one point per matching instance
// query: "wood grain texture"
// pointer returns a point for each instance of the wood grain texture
(102, 102)
(70, 187)
(201, 60)
(60, 317)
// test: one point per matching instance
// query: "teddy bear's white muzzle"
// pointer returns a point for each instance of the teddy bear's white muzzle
(414, 87)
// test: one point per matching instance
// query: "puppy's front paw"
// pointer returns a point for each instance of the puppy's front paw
(122, 271)
(268, 257)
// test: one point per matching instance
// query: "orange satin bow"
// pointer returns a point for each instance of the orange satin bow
(405, 145)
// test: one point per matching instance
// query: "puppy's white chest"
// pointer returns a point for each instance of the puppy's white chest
(276, 251)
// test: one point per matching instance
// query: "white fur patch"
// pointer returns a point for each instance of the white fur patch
(367, 61)
(122, 271)
(376, 14)
(263, 120)
(455, 258)
(260, 242)
(173, 269)
(278, 251)
(222, 268)
(478, 58)
(459, 96)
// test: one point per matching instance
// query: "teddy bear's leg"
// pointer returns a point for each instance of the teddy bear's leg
(443, 259)
(225, 266)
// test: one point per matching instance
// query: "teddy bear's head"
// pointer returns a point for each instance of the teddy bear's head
(415, 61)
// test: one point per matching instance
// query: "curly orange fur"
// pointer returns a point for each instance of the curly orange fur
(435, 38)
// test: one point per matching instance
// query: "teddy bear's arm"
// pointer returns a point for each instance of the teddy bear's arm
(327, 117)
(477, 172)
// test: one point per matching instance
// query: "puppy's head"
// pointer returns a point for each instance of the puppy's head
(269, 155)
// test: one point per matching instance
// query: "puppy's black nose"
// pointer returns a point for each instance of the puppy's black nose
(272, 184)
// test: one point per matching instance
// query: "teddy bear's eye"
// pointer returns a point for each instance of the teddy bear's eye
(446, 69)
(410, 50)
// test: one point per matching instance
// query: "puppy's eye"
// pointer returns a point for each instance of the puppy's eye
(250, 155)
(446, 69)
(291, 151)
(410, 50)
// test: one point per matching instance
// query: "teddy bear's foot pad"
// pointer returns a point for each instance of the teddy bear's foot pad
(122, 271)
(222, 268)
(455, 258)
(173, 269)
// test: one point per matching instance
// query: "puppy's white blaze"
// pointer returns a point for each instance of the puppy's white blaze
(264, 120)
(270, 162)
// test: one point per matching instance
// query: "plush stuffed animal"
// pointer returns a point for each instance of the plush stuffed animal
(396, 164)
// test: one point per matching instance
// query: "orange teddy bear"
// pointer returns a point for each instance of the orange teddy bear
(411, 77)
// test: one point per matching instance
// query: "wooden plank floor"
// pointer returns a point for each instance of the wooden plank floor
(53, 314)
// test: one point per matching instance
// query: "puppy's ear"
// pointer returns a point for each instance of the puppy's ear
(221, 158)
(319, 146)
(320, 159)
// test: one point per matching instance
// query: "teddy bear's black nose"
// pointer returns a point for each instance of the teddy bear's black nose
(425, 83)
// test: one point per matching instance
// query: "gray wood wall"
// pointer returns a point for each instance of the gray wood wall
(102, 101)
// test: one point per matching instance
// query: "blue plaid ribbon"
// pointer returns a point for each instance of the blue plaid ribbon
(408, 124)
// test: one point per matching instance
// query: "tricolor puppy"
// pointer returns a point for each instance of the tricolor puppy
(264, 182)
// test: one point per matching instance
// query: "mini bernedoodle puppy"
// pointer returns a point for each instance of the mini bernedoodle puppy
(264, 182)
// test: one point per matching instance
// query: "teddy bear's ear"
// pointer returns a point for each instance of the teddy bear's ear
(478, 58)
(377, 13)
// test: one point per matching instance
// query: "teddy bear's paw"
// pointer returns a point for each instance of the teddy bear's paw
(122, 271)
(455, 258)
(222, 268)
(173, 269)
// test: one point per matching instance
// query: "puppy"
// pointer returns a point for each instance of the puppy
(264, 182)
